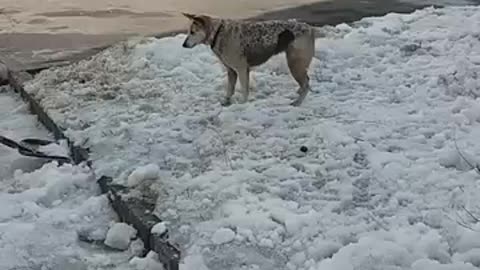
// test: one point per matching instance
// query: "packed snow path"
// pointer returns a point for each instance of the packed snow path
(381, 185)
(45, 208)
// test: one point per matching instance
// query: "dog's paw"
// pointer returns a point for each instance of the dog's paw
(296, 103)
(226, 102)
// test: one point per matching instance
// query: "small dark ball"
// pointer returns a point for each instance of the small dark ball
(303, 148)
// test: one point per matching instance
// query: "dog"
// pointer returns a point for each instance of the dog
(241, 45)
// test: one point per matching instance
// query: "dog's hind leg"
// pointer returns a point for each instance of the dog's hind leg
(232, 80)
(299, 56)
(244, 77)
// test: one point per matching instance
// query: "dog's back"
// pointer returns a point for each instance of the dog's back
(258, 41)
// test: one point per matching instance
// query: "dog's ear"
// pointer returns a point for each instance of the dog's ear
(203, 20)
(189, 16)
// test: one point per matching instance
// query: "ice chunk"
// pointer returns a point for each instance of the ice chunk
(222, 236)
(54, 149)
(159, 228)
(150, 262)
(147, 172)
(119, 236)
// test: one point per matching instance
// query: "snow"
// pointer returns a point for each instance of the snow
(46, 208)
(442, 2)
(222, 236)
(392, 116)
(472, 256)
(150, 262)
(16, 123)
(56, 149)
(159, 228)
(119, 236)
(147, 172)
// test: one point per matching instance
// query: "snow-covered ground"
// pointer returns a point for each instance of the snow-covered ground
(46, 208)
(382, 184)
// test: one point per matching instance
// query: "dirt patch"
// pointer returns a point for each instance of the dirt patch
(6, 11)
(54, 29)
(38, 21)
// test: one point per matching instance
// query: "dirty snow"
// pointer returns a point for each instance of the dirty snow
(391, 126)
(46, 208)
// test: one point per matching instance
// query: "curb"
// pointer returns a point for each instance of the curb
(134, 211)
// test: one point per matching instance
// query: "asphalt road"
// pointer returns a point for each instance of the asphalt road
(342, 11)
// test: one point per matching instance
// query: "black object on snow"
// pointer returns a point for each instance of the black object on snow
(29, 147)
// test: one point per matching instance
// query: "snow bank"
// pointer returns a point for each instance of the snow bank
(382, 185)
(44, 213)
(45, 209)
(17, 123)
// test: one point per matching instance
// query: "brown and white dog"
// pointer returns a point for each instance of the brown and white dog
(241, 45)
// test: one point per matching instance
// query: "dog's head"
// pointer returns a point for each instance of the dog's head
(198, 31)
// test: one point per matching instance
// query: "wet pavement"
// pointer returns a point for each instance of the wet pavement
(342, 11)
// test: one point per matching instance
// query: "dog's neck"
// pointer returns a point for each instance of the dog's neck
(216, 27)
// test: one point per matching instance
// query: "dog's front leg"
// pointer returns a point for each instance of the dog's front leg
(244, 76)
(232, 80)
